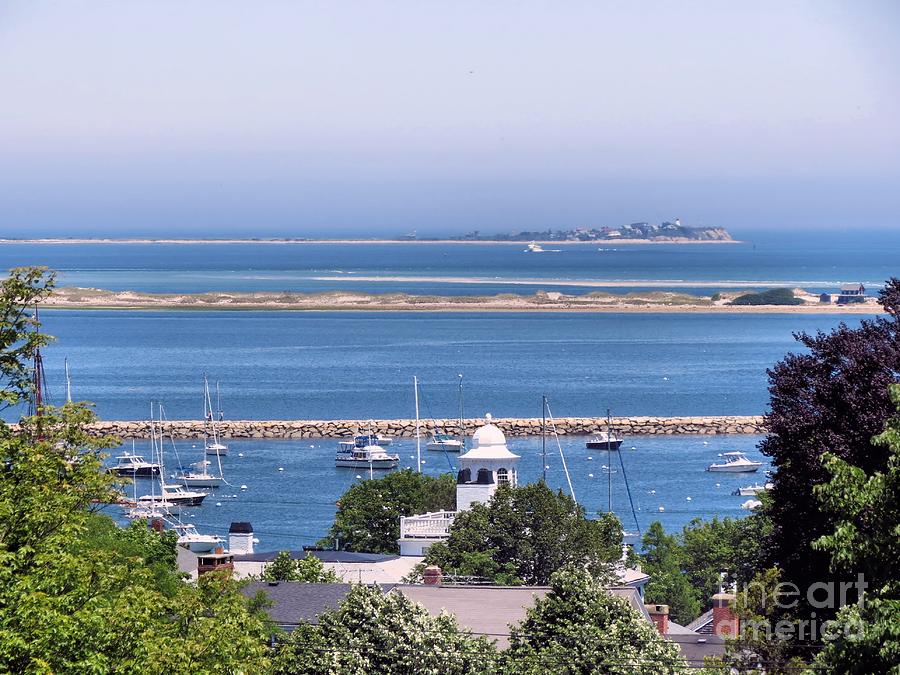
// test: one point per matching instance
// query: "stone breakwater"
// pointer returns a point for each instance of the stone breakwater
(629, 426)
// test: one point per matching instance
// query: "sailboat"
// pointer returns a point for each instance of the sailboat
(213, 444)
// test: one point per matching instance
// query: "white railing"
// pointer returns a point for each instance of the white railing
(427, 525)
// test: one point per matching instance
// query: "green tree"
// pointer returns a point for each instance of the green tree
(308, 569)
(865, 541)
(663, 559)
(376, 632)
(579, 627)
(368, 515)
(77, 596)
(526, 533)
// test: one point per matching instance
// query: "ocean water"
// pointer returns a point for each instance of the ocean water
(817, 262)
(360, 365)
(295, 507)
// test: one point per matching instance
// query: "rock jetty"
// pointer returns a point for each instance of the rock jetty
(404, 428)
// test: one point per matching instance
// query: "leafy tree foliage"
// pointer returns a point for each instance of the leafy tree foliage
(19, 339)
(664, 560)
(524, 535)
(580, 628)
(775, 296)
(865, 540)
(374, 632)
(834, 398)
(75, 595)
(368, 515)
(309, 569)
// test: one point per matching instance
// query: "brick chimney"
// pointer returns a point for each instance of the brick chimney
(215, 562)
(660, 616)
(157, 525)
(724, 623)
(432, 575)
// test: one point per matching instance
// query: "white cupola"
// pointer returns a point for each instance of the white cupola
(486, 466)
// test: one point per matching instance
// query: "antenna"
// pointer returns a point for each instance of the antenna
(462, 424)
(608, 465)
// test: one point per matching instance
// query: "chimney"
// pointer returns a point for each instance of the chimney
(157, 525)
(724, 623)
(660, 616)
(432, 575)
(215, 562)
(240, 538)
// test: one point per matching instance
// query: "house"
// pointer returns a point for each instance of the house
(360, 568)
(825, 298)
(851, 293)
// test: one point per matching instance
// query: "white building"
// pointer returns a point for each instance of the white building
(482, 470)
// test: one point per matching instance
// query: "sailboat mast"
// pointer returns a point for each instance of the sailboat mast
(608, 465)
(544, 437)
(68, 381)
(418, 437)
(462, 424)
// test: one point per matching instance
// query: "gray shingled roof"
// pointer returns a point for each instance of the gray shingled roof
(294, 602)
(324, 556)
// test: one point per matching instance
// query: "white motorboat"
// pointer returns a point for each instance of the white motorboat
(190, 538)
(444, 442)
(752, 490)
(751, 504)
(178, 494)
(158, 504)
(132, 465)
(534, 247)
(199, 476)
(735, 462)
(216, 448)
(366, 457)
(604, 441)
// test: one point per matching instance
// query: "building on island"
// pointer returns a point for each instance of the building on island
(851, 293)
(482, 470)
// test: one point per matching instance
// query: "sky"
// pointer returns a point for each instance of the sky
(296, 118)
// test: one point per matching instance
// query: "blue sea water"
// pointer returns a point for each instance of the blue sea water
(360, 365)
(295, 507)
(817, 262)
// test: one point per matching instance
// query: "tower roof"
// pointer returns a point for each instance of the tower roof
(488, 442)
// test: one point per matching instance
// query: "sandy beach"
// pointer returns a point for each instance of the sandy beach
(648, 302)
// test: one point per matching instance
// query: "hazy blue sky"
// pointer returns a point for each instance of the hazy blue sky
(266, 118)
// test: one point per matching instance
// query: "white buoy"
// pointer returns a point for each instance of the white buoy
(358, 476)
(240, 454)
(590, 475)
(688, 498)
(661, 509)
(718, 485)
(633, 448)
(423, 461)
(590, 458)
(547, 467)
(218, 503)
(652, 492)
(705, 442)
(281, 468)
(243, 487)
(666, 379)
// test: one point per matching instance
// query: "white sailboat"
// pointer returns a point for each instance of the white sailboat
(213, 443)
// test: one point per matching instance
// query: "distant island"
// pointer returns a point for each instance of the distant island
(665, 232)
(635, 233)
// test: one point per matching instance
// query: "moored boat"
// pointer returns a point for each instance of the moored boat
(444, 442)
(605, 440)
(129, 464)
(735, 462)
(752, 490)
(190, 538)
(366, 457)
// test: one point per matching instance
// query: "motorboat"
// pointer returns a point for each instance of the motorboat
(367, 457)
(735, 462)
(751, 504)
(605, 440)
(178, 494)
(216, 448)
(444, 442)
(362, 440)
(199, 476)
(534, 247)
(158, 504)
(752, 490)
(190, 538)
(132, 465)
